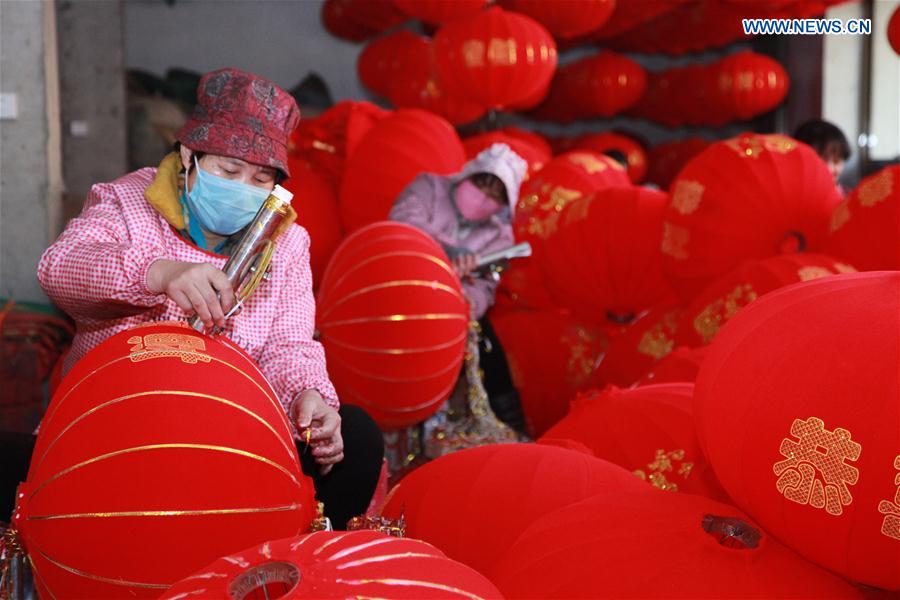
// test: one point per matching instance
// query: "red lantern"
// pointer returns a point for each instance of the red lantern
(628, 15)
(634, 153)
(682, 364)
(335, 564)
(722, 300)
(797, 406)
(748, 84)
(606, 84)
(557, 104)
(474, 503)
(437, 12)
(613, 281)
(121, 468)
(865, 226)
(393, 320)
(565, 18)
(336, 18)
(495, 58)
(535, 156)
(384, 59)
(649, 544)
(666, 160)
(377, 15)
(893, 31)
(648, 430)
(532, 137)
(744, 198)
(547, 374)
(316, 204)
(395, 151)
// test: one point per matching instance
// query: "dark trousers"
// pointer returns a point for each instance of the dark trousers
(346, 490)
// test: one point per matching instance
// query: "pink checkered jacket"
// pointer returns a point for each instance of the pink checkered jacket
(97, 272)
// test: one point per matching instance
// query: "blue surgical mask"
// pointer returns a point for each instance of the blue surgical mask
(220, 205)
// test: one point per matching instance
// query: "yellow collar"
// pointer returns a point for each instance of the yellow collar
(163, 194)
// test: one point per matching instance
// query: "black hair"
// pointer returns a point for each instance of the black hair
(823, 136)
(618, 156)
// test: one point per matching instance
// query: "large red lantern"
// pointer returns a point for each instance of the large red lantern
(612, 281)
(121, 468)
(749, 84)
(648, 430)
(565, 18)
(634, 153)
(649, 544)
(393, 320)
(606, 84)
(336, 19)
(396, 150)
(893, 31)
(335, 564)
(437, 12)
(726, 297)
(474, 503)
(797, 406)
(377, 15)
(865, 226)
(749, 197)
(547, 374)
(384, 59)
(495, 58)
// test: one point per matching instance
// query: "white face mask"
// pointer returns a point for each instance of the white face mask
(220, 205)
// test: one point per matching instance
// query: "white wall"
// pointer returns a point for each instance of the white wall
(281, 40)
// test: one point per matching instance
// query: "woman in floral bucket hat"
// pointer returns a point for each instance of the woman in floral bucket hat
(151, 245)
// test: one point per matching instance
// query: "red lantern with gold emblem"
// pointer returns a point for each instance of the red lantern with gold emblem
(394, 321)
(606, 84)
(396, 150)
(743, 199)
(722, 300)
(649, 544)
(437, 12)
(748, 84)
(865, 226)
(547, 374)
(495, 58)
(384, 59)
(121, 469)
(565, 18)
(335, 564)
(634, 153)
(473, 504)
(809, 372)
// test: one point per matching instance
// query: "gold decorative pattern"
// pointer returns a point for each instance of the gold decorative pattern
(708, 322)
(399, 318)
(580, 209)
(666, 462)
(581, 355)
(473, 53)
(189, 348)
(590, 163)
(502, 52)
(797, 474)
(810, 273)
(841, 215)
(657, 341)
(434, 285)
(686, 196)
(402, 253)
(674, 240)
(876, 189)
(399, 351)
(558, 198)
(753, 145)
(891, 510)
(93, 577)
(843, 268)
(166, 513)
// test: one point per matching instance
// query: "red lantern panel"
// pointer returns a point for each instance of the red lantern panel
(384, 60)
(438, 12)
(565, 18)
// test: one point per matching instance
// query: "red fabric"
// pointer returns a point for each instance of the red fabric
(633, 151)
(474, 503)
(392, 154)
(241, 115)
(565, 18)
(893, 31)
(337, 564)
(535, 156)
(648, 430)
(666, 160)
(385, 58)
(865, 226)
(811, 372)
(437, 12)
(720, 301)
(394, 321)
(337, 20)
(377, 15)
(613, 281)
(495, 58)
(749, 197)
(682, 364)
(547, 374)
(649, 544)
(162, 380)
(606, 84)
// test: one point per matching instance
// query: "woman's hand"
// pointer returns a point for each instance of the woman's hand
(309, 412)
(197, 288)
(465, 263)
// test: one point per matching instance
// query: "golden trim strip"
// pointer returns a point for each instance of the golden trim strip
(410, 253)
(101, 579)
(396, 351)
(433, 285)
(362, 400)
(166, 513)
(399, 318)
(358, 547)
(224, 449)
(333, 540)
(38, 576)
(411, 583)
(374, 377)
(383, 558)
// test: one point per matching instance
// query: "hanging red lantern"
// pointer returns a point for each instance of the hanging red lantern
(565, 18)
(495, 58)
(473, 504)
(720, 301)
(613, 281)
(396, 150)
(893, 31)
(681, 364)
(865, 226)
(377, 15)
(531, 137)
(810, 374)
(384, 59)
(748, 84)
(667, 160)
(438, 12)
(606, 84)
(628, 15)
(547, 374)
(535, 156)
(634, 153)
(557, 104)
(393, 320)
(647, 430)
(741, 199)
(120, 467)
(335, 564)
(650, 544)
(336, 19)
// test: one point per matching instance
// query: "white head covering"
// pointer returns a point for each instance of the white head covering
(502, 161)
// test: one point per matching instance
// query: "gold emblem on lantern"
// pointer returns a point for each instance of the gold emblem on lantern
(502, 51)
(656, 341)
(876, 189)
(891, 510)
(666, 462)
(686, 196)
(841, 215)
(188, 348)
(674, 240)
(809, 273)
(708, 322)
(817, 451)
(753, 146)
(473, 53)
(581, 358)
(591, 164)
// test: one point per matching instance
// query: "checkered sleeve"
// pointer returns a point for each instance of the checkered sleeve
(97, 269)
